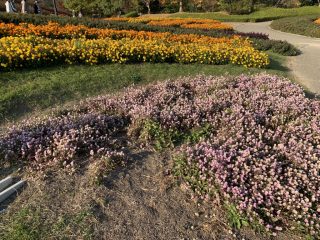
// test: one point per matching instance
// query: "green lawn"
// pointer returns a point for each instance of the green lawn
(25, 91)
(298, 25)
(265, 14)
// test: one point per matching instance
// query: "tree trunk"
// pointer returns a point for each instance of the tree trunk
(181, 6)
(55, 7)
(148, 6)
(252, 6)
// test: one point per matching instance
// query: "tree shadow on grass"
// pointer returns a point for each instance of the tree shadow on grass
(278, 65)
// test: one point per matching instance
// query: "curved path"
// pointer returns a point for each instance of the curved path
(305, 67)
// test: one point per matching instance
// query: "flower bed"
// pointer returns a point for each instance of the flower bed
(31, 51)
(206, 26)
(54, 30)
(178, 22)
(252, 140)
(118, 25)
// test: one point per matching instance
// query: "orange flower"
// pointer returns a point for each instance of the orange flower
(178, 22)
(54, 30)
(208, 26)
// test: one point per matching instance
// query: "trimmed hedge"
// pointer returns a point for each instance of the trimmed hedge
(280, 47)
(262, 39)
(132, 14)
(298, 25)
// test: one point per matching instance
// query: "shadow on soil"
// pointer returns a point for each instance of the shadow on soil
(136, 159)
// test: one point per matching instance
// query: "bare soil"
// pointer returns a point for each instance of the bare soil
(139, 201)
(145, 202)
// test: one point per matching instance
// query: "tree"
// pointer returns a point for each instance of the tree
(55, 7)
(147, 3)
(238, 6)
(107, 7)
(181, 6)
(104, 7)
(77, 5)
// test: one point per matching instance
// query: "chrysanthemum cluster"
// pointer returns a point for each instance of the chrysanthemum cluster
(262, 150)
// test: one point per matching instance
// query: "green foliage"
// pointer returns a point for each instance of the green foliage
(25, 91)
(236, 220)
(25, 225)
(32, 224)
(104, 7)
(308, 2)
(299, 25)
(76, 5)
(238, 6)
(191, 175)
(261, 15)
(132, 14)
(281, 47)
(168, 138)
(136, 78)
(152, 131)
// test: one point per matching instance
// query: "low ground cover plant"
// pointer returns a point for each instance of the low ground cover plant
(298, 25)
(253, 140)
(30, 51)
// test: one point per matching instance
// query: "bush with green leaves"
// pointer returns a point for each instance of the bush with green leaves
(281, 47)
(132, 14)
(238, 6)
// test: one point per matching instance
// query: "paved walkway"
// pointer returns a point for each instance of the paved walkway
(305, 67)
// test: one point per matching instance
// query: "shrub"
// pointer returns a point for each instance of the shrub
(253, 35)
(280, 47)
(132, 14)
(238, 7)
(298, 25)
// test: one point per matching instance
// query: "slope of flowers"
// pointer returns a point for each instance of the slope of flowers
(18, 52)
(261, 150)
(317, 21)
